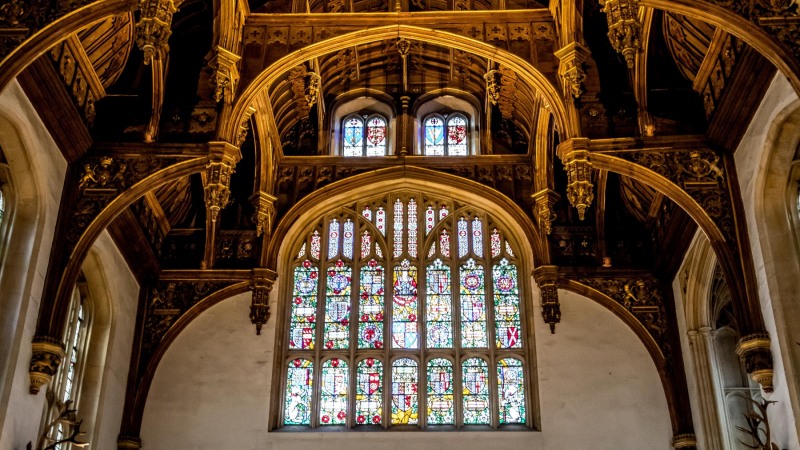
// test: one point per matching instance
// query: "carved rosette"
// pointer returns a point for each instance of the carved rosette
(154, 27)
(574, 155)
(624, 28)
(261, 285)
(755, 350)
(545, 201)
(547, 279)
(225, 79)
(265, 212)
(570, 68)
(686, 441)
(47, 355)
(217, 177)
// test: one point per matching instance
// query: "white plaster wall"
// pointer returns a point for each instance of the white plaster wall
(750, 163)
(38, 170)
(598, 386)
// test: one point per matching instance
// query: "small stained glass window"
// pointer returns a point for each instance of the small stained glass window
(446, 135)
(364, 135)
(438, 310)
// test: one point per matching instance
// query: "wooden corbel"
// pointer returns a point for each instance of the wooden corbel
(216, 189)
(261, 284)
(547, 279)
(574, 154)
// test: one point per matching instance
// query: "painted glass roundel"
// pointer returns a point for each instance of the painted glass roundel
(383, 304)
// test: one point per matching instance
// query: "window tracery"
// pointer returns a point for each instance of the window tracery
(364, 135)
(417, 329)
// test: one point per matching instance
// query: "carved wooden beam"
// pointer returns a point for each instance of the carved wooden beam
(96, 189)
(216, 189)
(547, 279)
(702, 182)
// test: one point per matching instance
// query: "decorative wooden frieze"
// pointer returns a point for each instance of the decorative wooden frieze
(643, 298)
(778, 18)
(624, 27)
(45, 360)
(755, 351)
(547, 279)
(574, 154)
(154, 27)
(261, 285)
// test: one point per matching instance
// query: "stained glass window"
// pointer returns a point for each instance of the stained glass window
(2, 206)
(405, 405)
(440, 392)
(446, 135)
(333, 392)
(447, 296)
(364, 135)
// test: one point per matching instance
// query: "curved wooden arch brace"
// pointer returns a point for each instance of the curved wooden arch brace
(718, 13)
(143, 366)
(19, 50)
(679, 423)
(523, 68)
(386, 180)
(61, 277)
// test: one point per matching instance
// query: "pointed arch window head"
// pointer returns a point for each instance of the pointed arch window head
(364, 135)
(446, 135)
(416, 329)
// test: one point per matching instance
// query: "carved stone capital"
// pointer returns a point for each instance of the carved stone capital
(261, 284)
(265, 212)
(572, 58)
(47, 355)
(128, 443)
(545, 201)
(547, 279)
(217, 176)
(225, 79)
(574, 154)
(686, 441)
(755, 350)
(154, 27)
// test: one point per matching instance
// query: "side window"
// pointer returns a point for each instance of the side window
(364, 135)
(446, 135)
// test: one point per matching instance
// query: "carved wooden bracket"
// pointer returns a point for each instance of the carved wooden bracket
(225, 79)
(545, 201)
(154, 27)
(624, 28)
(755, 350)
(47, 356)
(261, 285)
(216, 189)
(574, 154)
(547, 279)
(265, 212)
(571, 68)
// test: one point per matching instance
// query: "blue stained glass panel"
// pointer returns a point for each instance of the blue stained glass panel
(434, 136)
(353, 143)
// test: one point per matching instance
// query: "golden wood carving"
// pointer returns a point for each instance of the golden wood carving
(225, 79)
(545, 215)
(47, 356)
(261, 285)
(154, 27)
(574, 155)
(547, 279)
(624, 28)
(755, 351)
(571, 68)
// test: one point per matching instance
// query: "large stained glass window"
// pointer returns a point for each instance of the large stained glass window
(446, 135)
(420, 320)
(364, 135)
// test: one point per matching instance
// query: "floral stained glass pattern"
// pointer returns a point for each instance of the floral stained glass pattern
(456, 136)
(370, 306)
(297, 407)
(473, 306)
(380, 220)
(439, 306)
(337, 306)
(304, 306)
(463, 240)
(405, 407)
(369, 392)
(477, 237)
(333, 238)
(506, 305)
(333, 392)
(430, 220)
(444, 243)
(511, 391)
(404, 306)
(434, 136)
(316, 242)
(494, 243)
(353, 144)
(376, 136)
(366, 244)
(411, 228)
(475, 376)
(440, 392)
(399, 226)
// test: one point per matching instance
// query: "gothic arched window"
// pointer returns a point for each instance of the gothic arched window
(405, 311)
(446, 135)
(364, 135)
